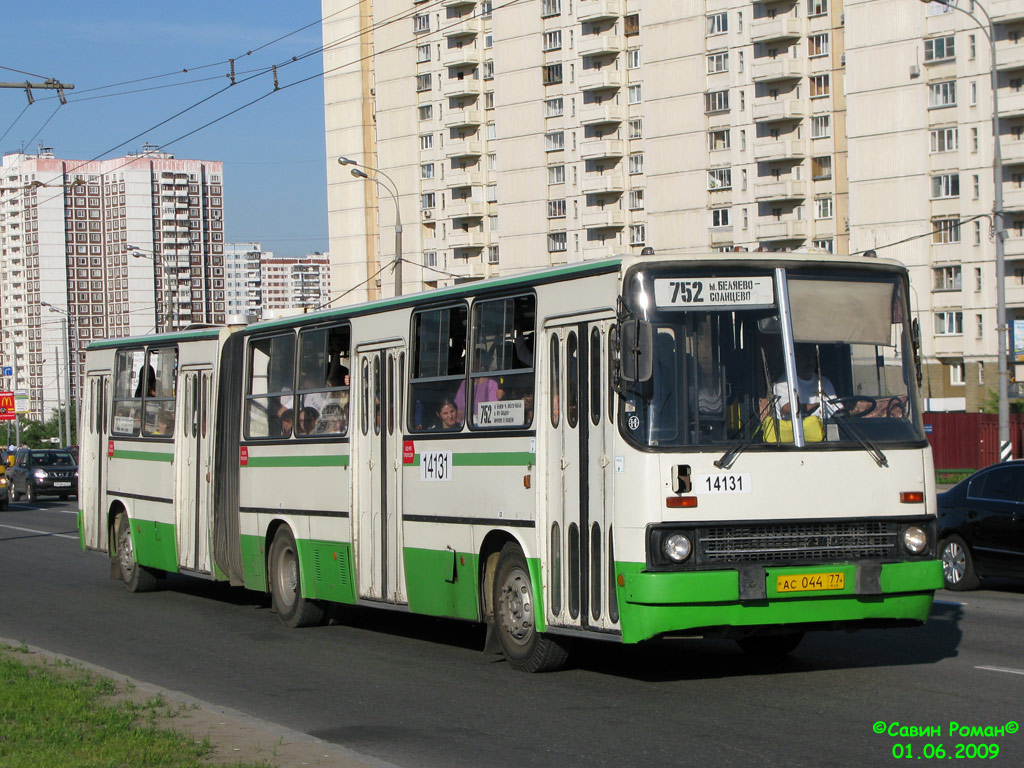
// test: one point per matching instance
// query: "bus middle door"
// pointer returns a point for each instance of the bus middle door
(194, 431)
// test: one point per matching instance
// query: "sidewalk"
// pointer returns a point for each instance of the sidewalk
(234, 736)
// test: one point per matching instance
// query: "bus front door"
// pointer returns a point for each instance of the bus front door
(377, 512)
(93, 464)
(576, 429)
(194, 431)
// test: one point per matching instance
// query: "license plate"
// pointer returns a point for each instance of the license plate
(810, 582)
(62, 485)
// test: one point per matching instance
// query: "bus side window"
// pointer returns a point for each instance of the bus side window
(158, 403)
(438, 369)
(501, 371)
(127, 382)
(323, 391)
(269, 386)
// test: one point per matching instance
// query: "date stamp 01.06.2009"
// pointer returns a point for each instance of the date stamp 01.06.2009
(955, 741)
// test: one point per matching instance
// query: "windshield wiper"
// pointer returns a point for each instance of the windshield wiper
(845, 421)
(727, 458)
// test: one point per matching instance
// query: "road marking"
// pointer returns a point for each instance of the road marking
(1010, 670)
(947, 602)
(40, 533)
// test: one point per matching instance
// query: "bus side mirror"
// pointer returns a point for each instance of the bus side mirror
(636, 360)
(915, 337)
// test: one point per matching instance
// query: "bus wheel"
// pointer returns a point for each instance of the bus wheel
(767, 647)
(526, 649)
(138, 578)
(285, 588)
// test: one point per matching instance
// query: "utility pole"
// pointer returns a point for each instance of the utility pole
(60, 434)
(47, 85)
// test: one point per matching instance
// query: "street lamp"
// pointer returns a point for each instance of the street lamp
(393, 191)
(988, 29)
(64, 322)
(169, 313)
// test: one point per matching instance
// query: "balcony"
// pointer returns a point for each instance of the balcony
(610, 218)
(464, 148)
(771, 70)
(463, 56)
(603, 184)
(1012, 152)
(595, 149)
(466, 209)
(456, 3)
(1013, 199)
(720, 236)
(594, 252)
(598, 45)
(1009, 55)
(1004, 11)
(457, 118)
(598, 10)
(460, 238)
(597, 114)
(463, 177)
(780, 190)
(777, 149)
(469, 25)
(456, 87)
(766, 30)
(1011, 104)
(600, 79)
(778, 110)
(790, 229)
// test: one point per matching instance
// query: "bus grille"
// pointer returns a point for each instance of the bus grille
(797, 542)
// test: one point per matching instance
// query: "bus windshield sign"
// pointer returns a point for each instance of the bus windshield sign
(714, 293)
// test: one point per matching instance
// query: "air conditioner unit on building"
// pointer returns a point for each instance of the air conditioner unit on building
(428, 214)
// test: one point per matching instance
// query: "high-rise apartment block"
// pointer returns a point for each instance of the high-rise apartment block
(292, 284)
(115, 247)
(243, 278)
(538, 132)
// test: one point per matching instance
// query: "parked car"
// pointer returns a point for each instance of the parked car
(48, 471)
(4, 493)
(981, 526)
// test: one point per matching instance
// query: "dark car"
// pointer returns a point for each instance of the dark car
(981, 526)
(43, 472)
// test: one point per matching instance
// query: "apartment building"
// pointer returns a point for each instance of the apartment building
(920, 106)
(114, 248)
(243, 278)
(294, 284)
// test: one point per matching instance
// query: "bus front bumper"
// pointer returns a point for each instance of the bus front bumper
(666, 603)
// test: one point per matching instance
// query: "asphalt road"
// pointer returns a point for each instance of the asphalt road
(418, 692)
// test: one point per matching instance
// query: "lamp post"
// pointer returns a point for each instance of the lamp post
(169, 313)
(393, 191)
(988, 29)
(64, 321)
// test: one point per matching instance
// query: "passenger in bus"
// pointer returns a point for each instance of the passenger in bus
(308, 418)
(286, 419)
(448, 416)
(150, 383)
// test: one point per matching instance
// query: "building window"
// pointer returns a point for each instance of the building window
(636, 200)
(635, 94)
(633, 58)
(719, 178)
(720, 218)
(716, 101)
(426, 170)
(944, 139)
(817, 45)
(552, 74)
(821, 126)
(556, 242)
(718, 62)
(822, 245)
(489, 69)
(946, 278)
(553, 107)
(718, 23)
(945, 185)
(556, 174)
(554, 141)
(939, 49)
(942, 94)
(945, 231)
(421, 23)
(491, 193)
(492, 161)
(956, 373)
(718, 140)
(426, 141)
(422, 53)
(492, 254)
(427, 201)
(426, 112)
(817, 7)
(636, 128)
(823, 208)
(949, 323)
(636, 163)
(553, 40)
(550, 8)
(631, 24)
(819, 86)
(489, 100)
(821, 167)
(556, 209)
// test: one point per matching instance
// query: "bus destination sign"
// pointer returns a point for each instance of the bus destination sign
(714, 293)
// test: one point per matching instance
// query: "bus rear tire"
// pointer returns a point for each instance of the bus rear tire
(286, 587)
(770, 647)
(137, 578)
(526, 649)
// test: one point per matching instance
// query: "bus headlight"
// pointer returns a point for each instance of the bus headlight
(676, 547)
(915, 540)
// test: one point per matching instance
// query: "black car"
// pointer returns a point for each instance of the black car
(981, 526)
(43, 472)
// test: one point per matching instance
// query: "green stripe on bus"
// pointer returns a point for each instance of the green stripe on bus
(331, 460)
(143, 456)
(494, 459)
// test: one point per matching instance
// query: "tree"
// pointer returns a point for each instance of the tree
(991, 403)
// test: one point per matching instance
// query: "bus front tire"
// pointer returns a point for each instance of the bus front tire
(285, 585)
(526, 649)
(137, 578)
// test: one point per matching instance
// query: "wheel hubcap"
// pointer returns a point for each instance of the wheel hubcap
(287, 576)
(515, 608)
(954, 563)
(124, 551)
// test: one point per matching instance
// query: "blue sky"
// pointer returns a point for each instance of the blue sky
(273, 151)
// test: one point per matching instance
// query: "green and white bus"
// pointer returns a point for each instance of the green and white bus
(660, 446)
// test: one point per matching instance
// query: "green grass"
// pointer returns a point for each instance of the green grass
(58, 716)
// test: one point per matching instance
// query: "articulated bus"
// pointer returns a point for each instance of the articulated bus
(636, 448)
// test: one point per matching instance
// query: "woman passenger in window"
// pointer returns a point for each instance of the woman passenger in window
(448, 415)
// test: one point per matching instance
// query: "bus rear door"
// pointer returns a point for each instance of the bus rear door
(92, 470)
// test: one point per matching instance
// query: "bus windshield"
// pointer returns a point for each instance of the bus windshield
(731, 363)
